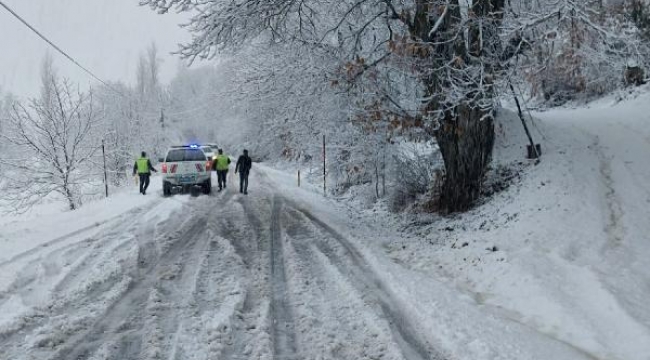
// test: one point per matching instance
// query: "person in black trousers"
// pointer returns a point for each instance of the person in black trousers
(143, 168)
(221, 166)
(244, 164)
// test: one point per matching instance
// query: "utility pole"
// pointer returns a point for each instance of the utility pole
(105, 173)
(533, 152)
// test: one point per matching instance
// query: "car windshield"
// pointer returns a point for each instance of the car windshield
(207, 149)
(176, 155)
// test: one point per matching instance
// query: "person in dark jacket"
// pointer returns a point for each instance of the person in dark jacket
(143, 168)
(244, 164)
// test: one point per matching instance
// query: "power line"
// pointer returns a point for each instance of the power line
(56, 47)
(81, 66)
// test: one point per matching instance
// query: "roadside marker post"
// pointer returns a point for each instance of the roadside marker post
(105, 172)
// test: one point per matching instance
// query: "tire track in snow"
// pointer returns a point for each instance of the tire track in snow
(187, 296)
(335, 319)
(124, 318)
(353, 264)
(251, 332)
(614, 228)
(114, 312)
(49, 244)
(78, 255)
(44, 270)
(170, 301)
(284, 337)
(69, 259)
(224, 295)
(82, 270)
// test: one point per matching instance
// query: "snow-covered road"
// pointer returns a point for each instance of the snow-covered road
(553, 268)
(216, 277)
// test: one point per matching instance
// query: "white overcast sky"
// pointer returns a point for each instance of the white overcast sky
(105, 36)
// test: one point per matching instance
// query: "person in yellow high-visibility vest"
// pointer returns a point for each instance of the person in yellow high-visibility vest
(221, 163)
(143, 168)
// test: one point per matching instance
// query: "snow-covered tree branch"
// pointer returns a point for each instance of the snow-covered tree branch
(52, 137)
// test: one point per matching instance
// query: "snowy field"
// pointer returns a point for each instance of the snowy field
(555, 267)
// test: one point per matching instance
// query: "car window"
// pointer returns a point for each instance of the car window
(176, 155)
(194, 155)
(207, 149)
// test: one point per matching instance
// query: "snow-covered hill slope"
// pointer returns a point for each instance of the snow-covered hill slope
(565, 250)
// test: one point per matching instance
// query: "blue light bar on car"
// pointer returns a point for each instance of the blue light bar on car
(194, 146)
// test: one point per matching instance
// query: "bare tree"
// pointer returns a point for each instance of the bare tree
(141, 77)
(153, 63)
(53, 138)
(579, 49)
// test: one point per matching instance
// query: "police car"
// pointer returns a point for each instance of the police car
(186, 167)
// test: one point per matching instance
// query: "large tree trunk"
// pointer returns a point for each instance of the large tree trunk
(466, 140)
(466, 132)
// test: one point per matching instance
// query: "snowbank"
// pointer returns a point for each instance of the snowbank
(564, 251)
